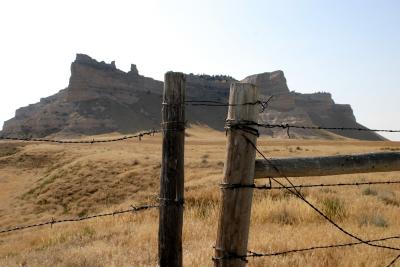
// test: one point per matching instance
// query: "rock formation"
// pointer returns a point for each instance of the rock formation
(101, 98)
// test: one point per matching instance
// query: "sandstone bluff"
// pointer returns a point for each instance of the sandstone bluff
(101, 98)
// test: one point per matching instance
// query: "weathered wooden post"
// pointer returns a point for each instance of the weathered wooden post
(172, 176)
(235, 207)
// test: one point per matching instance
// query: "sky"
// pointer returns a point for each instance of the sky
(348, 48)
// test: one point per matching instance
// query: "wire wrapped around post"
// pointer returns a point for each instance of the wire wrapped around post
(172, 171)
(235, 207)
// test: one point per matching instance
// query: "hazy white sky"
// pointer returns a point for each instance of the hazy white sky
(349, 48)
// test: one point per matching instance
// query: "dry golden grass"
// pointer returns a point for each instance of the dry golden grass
(40, 181)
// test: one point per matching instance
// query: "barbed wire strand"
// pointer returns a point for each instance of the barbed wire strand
(53, 221)
(139, 135)
(269, 187)
(215, 103)
(289, 126)
(393, 261)
(253, 254)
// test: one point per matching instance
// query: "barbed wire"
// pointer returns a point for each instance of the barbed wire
(248, 126)
(270, 187)
(211, 103)
(139, 135)
(393, 261)
(288, 126)
(216, 103)
(252, 254)
(132, 209)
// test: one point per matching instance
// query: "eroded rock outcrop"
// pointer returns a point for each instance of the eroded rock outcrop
(100, 98)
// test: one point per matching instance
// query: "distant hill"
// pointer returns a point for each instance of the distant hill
(101, 98)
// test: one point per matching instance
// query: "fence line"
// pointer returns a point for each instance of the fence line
(139, 135)
(270, 187)
(233, 252)
(177, 203)
(293, 190)
(252, 254)
(288, 126)
(209, 103)
(132, 209)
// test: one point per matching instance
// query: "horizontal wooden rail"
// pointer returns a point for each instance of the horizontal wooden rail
(329, 165)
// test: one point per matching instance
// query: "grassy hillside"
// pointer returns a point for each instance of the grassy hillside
(39, 181)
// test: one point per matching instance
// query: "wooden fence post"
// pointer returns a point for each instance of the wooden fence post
(172, 176)
(235, 207)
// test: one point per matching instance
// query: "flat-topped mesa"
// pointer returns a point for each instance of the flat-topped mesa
(100, 98)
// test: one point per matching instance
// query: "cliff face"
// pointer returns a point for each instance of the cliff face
(101, 98)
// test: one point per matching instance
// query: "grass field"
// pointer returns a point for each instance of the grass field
(39, 181)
